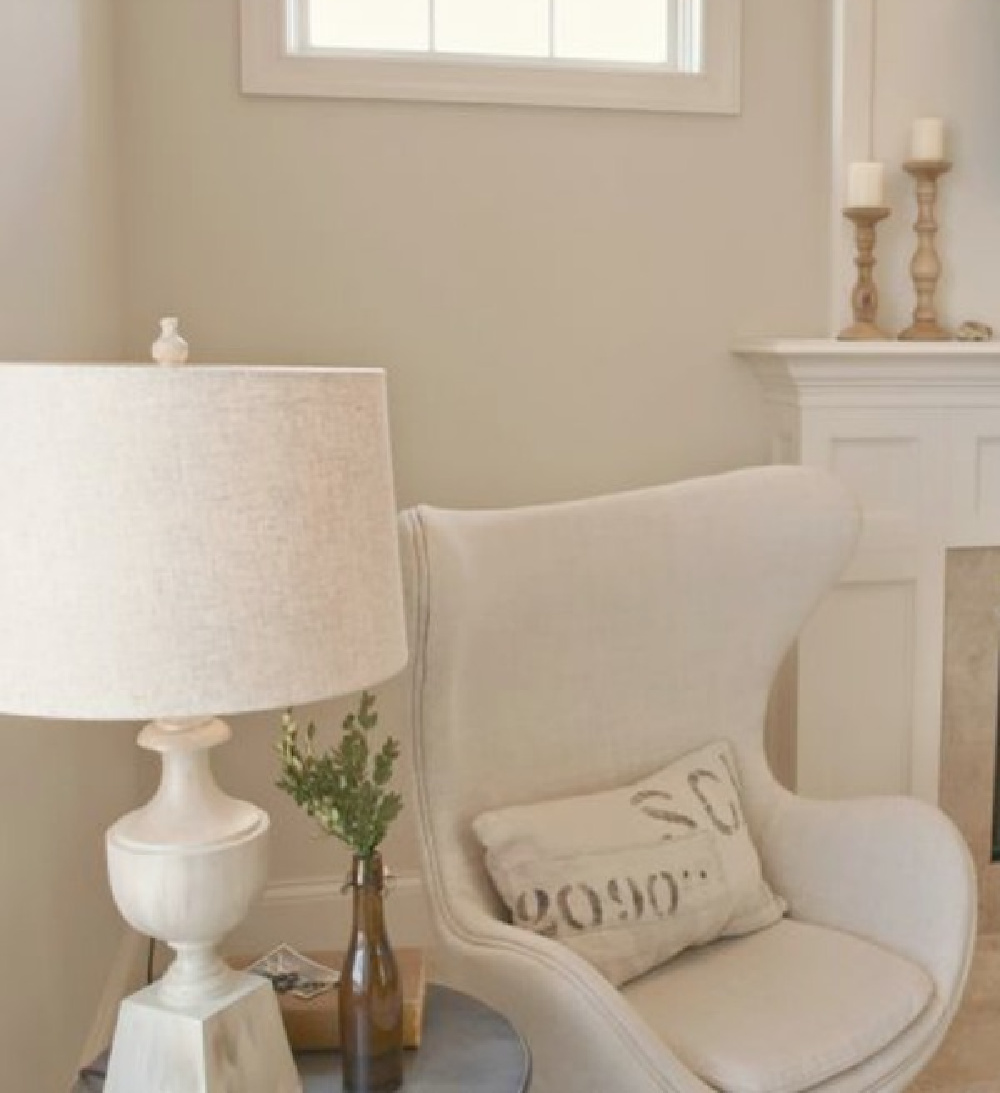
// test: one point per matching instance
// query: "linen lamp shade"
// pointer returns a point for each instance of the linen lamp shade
(177, 542)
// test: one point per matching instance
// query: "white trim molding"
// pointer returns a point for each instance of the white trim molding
(315, 913)
(271, 67)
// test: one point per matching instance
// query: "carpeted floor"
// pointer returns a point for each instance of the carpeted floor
(969, 1059)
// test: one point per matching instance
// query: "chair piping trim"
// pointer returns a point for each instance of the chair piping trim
(437, 893)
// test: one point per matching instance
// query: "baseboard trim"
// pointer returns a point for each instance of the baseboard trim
(319, 889)
(315, 913)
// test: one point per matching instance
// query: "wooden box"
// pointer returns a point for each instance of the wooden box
(314, 1025)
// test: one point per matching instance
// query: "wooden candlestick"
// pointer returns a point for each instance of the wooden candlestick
(925, 266)
(864, 297)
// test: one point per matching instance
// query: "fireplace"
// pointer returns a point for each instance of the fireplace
(898, 670)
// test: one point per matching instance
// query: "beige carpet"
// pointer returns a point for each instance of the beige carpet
(969, 1059)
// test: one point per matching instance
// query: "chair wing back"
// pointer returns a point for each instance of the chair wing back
(561, 649)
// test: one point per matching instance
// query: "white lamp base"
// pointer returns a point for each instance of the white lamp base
(186, 868)
(234, 1044)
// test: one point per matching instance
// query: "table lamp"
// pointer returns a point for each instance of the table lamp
(179, 541)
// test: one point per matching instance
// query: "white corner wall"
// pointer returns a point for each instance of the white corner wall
(60, 785)
(552, 291)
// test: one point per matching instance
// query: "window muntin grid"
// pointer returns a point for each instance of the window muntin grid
(663, 34)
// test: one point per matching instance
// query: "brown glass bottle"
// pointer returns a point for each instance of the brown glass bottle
(371, 1001)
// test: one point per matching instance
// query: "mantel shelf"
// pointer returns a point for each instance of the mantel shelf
(823, 370)
(830, 349)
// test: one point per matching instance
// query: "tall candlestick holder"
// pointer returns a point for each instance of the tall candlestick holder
(925, 266)
(864, 297)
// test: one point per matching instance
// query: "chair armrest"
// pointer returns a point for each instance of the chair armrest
(891, 869)
(563, 1007)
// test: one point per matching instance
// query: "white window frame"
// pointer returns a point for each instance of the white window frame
(270, 68)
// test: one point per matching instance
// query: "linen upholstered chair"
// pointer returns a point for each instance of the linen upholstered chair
(564, 649)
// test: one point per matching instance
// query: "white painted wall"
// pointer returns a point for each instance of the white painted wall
(60, 785)
(937, 57)
(552, 291)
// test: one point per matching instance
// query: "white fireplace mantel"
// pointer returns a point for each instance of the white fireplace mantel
(914, 430)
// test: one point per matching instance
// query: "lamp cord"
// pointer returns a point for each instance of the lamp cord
(98, 1069)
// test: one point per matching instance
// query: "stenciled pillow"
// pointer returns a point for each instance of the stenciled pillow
(631, 876)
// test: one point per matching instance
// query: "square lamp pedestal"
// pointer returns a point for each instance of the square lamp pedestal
(233, 1044)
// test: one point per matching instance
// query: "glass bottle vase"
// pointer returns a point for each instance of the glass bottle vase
(370, 998)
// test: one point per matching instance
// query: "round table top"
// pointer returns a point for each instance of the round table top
(465, 1045)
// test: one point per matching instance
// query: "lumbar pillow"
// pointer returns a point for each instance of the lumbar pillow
(630, 877)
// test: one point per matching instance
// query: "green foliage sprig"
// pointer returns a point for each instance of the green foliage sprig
(345, 788)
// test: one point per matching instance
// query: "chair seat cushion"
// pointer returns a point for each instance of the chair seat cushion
(781, 1010)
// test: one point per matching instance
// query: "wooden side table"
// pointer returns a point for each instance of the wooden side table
(466, 1045)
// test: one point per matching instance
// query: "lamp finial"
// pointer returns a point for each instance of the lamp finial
(170, 347)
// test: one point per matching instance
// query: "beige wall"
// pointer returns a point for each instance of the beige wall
(58, 218)
(552, 291)
(60, 785)
(939, 58)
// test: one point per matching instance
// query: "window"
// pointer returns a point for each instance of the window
(627, 54)
(666, 33)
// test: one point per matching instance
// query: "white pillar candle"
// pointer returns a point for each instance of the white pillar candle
(927, 139)
(865, 185)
